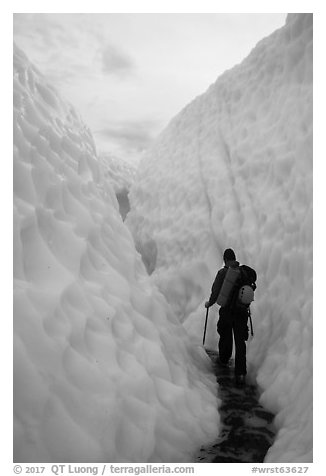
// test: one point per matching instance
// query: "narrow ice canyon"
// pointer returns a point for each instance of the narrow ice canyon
(108, 309)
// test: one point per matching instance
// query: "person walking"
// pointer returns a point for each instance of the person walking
(233, 317)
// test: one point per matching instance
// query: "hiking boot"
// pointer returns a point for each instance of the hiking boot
(240, 380)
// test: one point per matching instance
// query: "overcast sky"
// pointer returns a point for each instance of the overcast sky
(128, 74)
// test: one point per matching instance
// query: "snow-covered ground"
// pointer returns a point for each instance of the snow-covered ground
(103, 369)
(234, 169)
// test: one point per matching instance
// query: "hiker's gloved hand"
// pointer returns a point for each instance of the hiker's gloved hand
(207, 304)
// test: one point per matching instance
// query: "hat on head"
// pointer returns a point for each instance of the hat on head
(229, 255)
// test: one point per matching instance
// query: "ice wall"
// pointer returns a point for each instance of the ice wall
(121, 175)
(103, 370)
(234, 169)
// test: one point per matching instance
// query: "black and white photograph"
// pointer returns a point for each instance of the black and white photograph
(162, 241)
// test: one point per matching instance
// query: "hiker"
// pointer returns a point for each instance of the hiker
(233, 316)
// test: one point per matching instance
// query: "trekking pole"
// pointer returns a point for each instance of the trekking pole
(252, 330)
(205, 327)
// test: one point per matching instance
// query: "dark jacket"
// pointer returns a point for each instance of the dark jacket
(219, 281)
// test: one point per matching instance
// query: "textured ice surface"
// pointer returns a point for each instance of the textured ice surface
(121, 175)
(234, 169)
(103, 369)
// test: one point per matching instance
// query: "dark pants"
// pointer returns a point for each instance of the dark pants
(233, 323)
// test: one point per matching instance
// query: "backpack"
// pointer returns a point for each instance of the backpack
(247, 286)
(246, 295)
(226, 293)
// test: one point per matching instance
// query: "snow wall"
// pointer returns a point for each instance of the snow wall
(103, 369)
(121, 175)
(234, 169)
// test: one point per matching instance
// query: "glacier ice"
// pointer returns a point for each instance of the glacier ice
(121, 175)
(103, 369)
(234, 169)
